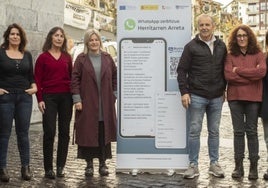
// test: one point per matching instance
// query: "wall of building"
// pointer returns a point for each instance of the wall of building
(36, 18)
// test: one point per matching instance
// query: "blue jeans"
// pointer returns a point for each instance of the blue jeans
(17, 106)
(245, 120)
(198, 107)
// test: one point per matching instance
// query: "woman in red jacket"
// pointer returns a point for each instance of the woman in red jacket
(244, 69)
(94, 81)
(53, 77)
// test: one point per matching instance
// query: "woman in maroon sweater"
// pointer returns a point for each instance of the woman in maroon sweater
(53, 76)
(244, 69)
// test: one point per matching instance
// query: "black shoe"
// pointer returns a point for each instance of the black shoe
(26, 173)
(89, 171)
(103, 170)
(50, 174)
(4, 177)
(60, 172)
(265, 176)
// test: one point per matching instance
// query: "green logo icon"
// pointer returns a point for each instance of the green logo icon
(130, 24)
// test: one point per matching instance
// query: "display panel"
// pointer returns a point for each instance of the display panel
(140, 80)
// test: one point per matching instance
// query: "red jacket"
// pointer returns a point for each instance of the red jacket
(84, 83)
(246, 83)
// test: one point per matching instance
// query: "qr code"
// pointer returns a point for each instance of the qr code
(173, 63)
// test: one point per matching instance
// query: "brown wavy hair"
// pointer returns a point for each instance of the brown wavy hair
(23, 39)
(252, 47)
(48, 42)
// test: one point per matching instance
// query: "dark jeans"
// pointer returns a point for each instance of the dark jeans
(245, 119)
(17, 106)
(61, 106)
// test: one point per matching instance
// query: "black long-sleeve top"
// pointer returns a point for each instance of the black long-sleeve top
(16, 74)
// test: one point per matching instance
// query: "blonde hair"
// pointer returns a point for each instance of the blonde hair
(87, 37)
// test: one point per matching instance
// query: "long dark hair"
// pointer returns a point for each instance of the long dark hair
(48, 43)
(23, 39)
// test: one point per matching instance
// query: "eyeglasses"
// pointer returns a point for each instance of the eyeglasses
(241, 36)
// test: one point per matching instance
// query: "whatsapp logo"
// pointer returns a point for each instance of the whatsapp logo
(129, 24)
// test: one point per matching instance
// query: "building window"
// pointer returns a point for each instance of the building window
(263, 6)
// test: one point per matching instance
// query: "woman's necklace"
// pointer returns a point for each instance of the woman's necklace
(16, 56)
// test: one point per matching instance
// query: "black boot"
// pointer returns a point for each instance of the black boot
(89, 171)
(26, 173)
(103, 169)
(265, 176)
(50, 174)
(4, 177)
(239, 169)
(60, 172)
(253, 170)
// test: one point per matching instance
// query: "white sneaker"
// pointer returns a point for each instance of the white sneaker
(191, 172)
(215, 170)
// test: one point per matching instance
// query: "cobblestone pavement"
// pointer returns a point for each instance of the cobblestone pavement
(75, 167)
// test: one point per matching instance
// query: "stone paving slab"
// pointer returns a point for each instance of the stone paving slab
(75, 167)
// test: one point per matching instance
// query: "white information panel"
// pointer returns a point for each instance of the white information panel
(139, 84)
(151, 120)
(168, 133)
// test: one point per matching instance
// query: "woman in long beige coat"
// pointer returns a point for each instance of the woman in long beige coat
(94, 83)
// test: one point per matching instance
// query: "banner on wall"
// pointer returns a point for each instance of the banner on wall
(103, 22)
(151, 120)
(76, 15)
(88, 3)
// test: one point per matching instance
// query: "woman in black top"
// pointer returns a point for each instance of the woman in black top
(16, 89)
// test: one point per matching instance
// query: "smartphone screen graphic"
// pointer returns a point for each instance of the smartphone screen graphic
(142, 75)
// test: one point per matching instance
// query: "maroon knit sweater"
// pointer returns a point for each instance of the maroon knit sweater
(246, 83)
(52, 75)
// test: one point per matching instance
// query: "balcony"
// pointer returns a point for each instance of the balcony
(252, 11)
(252, 1)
